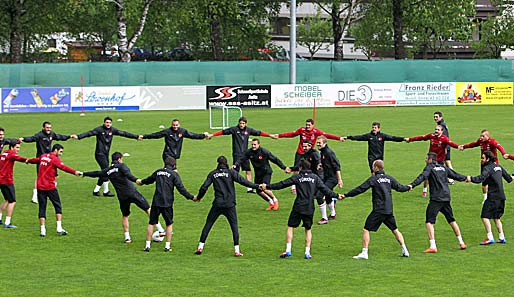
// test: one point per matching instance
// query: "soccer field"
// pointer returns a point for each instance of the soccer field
(93, 259)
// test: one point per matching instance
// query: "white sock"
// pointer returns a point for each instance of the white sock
(159, 228)
(307, 250)
(288, 247)
(127, 235)
(293, 187)
(432, 244)
(7, 220)
(270, 201)
(485, 196)
(490, 236)
(236, 249)
(200, 245)
(323, 209)
(404, 249)
(59, 226)
(97, 188)
(249, 189)
(501, 236)
(148, 242)
(275, 199)
(0, 216)
(34, 194)
(167, 245)
(43, 229)
(425, 190)
(332, 207)
(459, 238)
(364, 251)
(106, 187)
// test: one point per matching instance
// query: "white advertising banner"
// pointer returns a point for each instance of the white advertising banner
(172, 98)
(105, 98)
(429, 93)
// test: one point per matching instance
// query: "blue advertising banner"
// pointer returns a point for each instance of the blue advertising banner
(36, 100)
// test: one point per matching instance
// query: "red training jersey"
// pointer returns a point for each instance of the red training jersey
(437, 144)
(48, 164)
(307, 135)
(490, 144)
(7, 160)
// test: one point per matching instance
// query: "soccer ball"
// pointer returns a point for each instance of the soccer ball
(156, 237)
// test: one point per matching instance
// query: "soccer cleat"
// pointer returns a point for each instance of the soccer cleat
(361, 256)
(198, 251)
(250, 191)
(1, 222)
(285, 255)
(97, 193)
(307, 257)
(166, 250)
(147, 249)
(275, 205)
(332, 217)
(424, 194)
(62, 232)
(128, 240)
(10, 226)
(270, 207)
(42, 234)
(108, 194)
(451, 181)
(504, 241)
(238, 254)
(34, 199)
(323, 222)
(463, 246)
(405, 254)
(487, 242)
(293, 191)
(430, 250)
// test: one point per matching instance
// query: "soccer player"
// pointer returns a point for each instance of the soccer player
(222, 178)
(123, 181)
(438, 143)
(486, 143)
(438, 118)
(240, 135)
(260, 158)
(4, 141)
(43, 140)
(437, 176)
(331, 177)
(165, 179)
(104, 136)
(306, 133)
(382, 213)
(307, 184)
(376, 140)
(173, 139)
(494, 206)
(7, 159)
(46, 185)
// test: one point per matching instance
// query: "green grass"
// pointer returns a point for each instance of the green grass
(94, 260)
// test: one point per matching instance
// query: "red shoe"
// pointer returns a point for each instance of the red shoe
(430, 250)
(198, 251)
(238, 254)
(270, 207)
(323, 222)
(332, 217)
(275, 205)
(293, 191)
(463, 246)
(424, 194)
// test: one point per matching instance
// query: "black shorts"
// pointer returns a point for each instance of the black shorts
(295, 218)
(167, 215)
(374, 221)
(434, 208)
(297, 158)
(53, 195)
(330, 183)
(8, 192)
(493, 209)
(137, 199)
(262, 179)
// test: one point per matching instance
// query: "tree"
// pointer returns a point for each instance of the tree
(496, 32)
(342, 14)
(312, 33)
(397, 10)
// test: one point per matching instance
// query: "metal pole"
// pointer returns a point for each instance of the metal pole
(292, 44)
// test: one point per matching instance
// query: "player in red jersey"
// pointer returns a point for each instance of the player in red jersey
(7, 160)
(486, 143)
(306, 133)
(438, 143)
(46, 185)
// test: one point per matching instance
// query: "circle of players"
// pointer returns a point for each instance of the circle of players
(317, 173)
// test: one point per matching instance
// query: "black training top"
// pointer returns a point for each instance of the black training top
(376, 143)
(240, 138)
(173, 140)
(121, 178)
(330, 163)
(260, 159)
(492, 175)
(437, 176)
(44, 141)
(104, 138)
(165, 182)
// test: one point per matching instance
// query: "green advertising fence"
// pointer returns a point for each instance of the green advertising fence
(252, 72)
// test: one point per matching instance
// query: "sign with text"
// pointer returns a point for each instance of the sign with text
(35, 100)
(105, 98)
(240, 96)
(429, 93)
(484, 93)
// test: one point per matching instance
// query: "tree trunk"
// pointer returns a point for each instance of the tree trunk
(214, 21)
(399, 50)
(125, 45)
(15, 43)
(338, 34)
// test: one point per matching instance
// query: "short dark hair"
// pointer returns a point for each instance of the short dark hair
(309, 121)
(116, 155)
(308, 142)
(57, 146)
(222, 160)
(375, 124)
(256, 139)
(243, 119)
(489, 155)
(304, 164)
(2, 129)
(107, 119)
(175, 120)
(13, 144)
(438, 113)
(432, 156)
(170, 161)
(46, 123)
